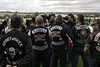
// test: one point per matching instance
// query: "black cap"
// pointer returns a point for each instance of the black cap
(52, 14)
(33, 19)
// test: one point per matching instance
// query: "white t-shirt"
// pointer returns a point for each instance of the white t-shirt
(7, 29)
(91, 29)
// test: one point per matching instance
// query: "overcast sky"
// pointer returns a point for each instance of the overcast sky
(50, 5)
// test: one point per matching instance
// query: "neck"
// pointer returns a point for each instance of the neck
(37, 25)
(79, 23)
(19, 29)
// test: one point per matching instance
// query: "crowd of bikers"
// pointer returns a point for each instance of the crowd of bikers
(48, 39)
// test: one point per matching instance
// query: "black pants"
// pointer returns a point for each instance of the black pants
(76, 51)
(62, 57)
(4, 63)
(93, 62)
(41, 57)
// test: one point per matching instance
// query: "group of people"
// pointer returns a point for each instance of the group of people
(49, 39)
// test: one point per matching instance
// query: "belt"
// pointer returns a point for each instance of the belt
(58, 43)
(40, 47)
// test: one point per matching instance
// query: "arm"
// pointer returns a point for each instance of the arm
(29, 52)
(86, 49)
(88, 45)
(49, 37)
(73, 30)
(70, 37)
(70, 34)
(1, 51)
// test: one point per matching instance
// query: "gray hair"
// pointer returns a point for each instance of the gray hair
(39, 20)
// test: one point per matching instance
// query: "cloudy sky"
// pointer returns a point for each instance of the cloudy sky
(50, 5)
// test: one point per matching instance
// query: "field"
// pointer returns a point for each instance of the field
(80, 63)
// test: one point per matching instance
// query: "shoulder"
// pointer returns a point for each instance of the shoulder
(3, 36)
(95, 33)
(65, 26)
(24, 35)
(73, 28)
(45, 28)
(18, 34)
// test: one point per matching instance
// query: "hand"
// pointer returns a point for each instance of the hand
(86, 49)
(87, 52)
(8, 65)
(14, 63)
(14, 66)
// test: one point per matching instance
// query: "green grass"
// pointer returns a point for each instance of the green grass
(80, 63)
